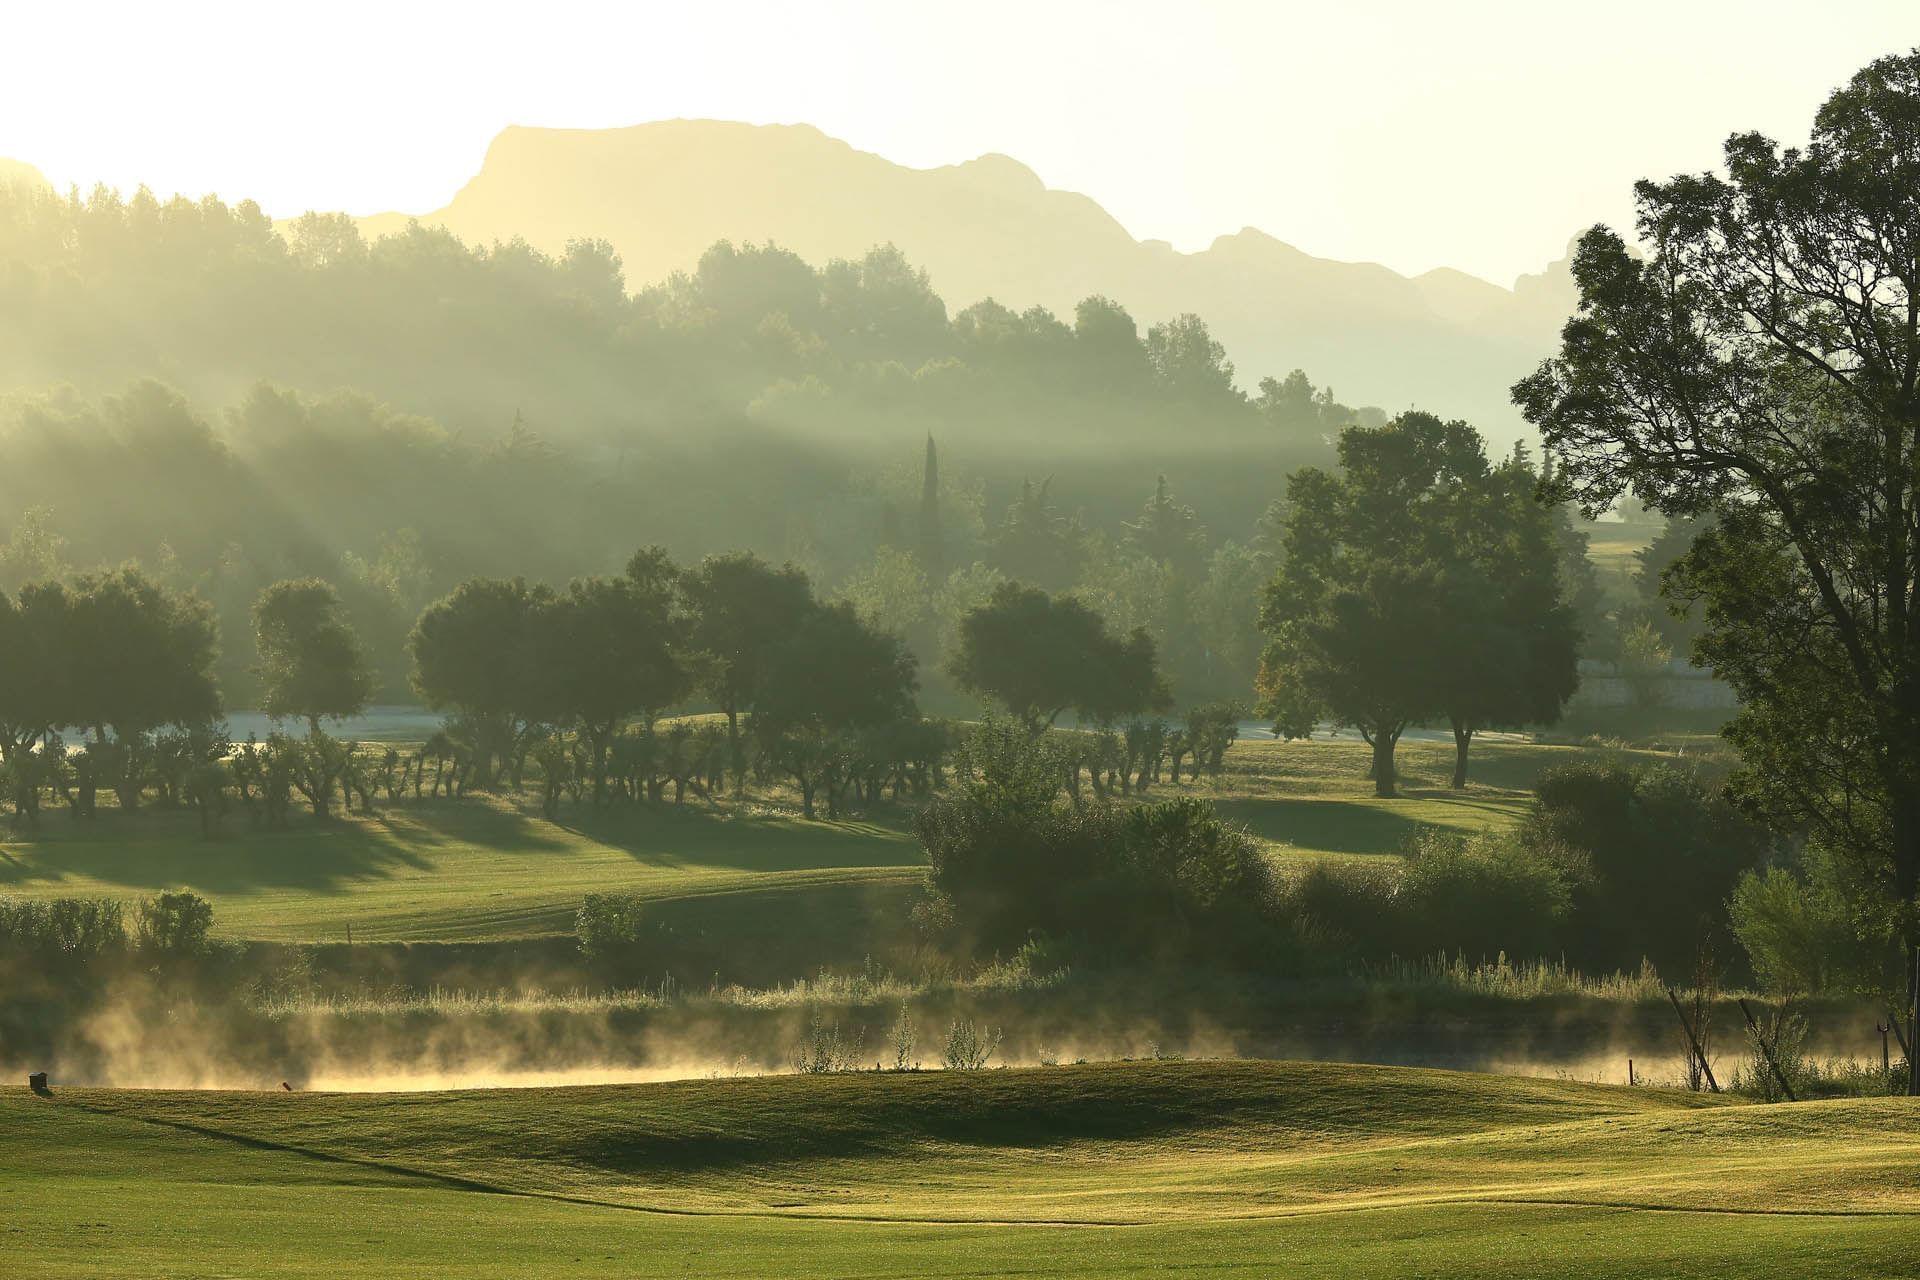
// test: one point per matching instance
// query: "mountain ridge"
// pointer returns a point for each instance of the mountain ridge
(662, 192)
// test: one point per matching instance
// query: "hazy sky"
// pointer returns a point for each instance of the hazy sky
(1476, 134)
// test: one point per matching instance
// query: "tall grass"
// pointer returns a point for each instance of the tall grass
(1519, 980)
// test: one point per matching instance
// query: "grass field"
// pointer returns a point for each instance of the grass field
(1228, 1168)
(483, 868)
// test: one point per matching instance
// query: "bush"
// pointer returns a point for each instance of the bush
(1483, 896)
(173, 926)
(968, 1047)
(60, 931)
(609, 927)
(1802, 937)
(823, 1050)
(1008, 858)
(1478, 897)
(1653, 854)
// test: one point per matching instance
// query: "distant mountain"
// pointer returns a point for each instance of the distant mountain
(663, 192)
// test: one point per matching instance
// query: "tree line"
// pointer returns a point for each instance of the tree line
(1418, 582)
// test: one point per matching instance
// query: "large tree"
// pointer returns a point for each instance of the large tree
(477, 650)
(1415, 583)
(1040, 655)
(35, 672)
(311, 663)
(1508, 650)
(742, 609)
(140, 657)
(615, 648)
(1762, 365)
(835, 675)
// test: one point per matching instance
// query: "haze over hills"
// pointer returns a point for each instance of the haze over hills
(663, 192)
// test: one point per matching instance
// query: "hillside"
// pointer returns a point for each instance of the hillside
(663, 192)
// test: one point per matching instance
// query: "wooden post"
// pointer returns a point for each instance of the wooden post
(1766, 1051)
(1629, 1071)
(1698, 1052)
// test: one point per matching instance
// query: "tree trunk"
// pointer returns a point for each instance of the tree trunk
(1384, 740)
(1913, 1019)
(734, 753)
(1462, 739)
(599, 765)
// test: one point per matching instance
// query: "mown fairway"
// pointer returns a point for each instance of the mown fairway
(1126, 1169)
(1312, 800)
(490, 868)
(446, 870)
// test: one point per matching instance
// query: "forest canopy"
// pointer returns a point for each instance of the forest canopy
(229, 403)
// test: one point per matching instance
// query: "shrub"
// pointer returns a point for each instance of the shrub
(1482, 896)
(1802, 937)
(968, 1047)
(1009, 858)
(1349, 906)
(173, 926)
(1652, 852)
(60, 931)
(1476, 897)
(609, 927)
(823, 1050)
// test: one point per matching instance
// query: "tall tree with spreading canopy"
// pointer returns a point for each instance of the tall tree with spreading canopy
(311, 663)
(1509, 650)
(477, 650)
(615, 648)
(141, 657)
(742, 609)
(832, 676)
(1039, 655)
(1762, 366)
(1361, 626)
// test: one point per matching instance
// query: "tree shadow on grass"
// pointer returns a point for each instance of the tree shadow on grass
(156, 849)
(725, 839)
(1325, 826)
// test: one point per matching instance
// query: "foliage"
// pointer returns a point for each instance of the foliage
(1481, 898)
(1757, 368)
(1039, 655)
(478, 650)
(60, 931)
(1418, 582)
(311, 663)
(610, 928)
(1653, 851)
(969, 1048)
(1012, 859)
(825, 1050)
(172, 926)
(1810, 929)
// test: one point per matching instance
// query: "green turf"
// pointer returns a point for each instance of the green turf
(482, 867)
(447, 870)
(1241, 1169)
(1311, 800)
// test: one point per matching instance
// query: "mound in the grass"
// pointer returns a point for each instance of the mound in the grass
(1221, 1166)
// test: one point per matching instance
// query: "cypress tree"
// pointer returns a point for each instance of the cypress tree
(932, 547)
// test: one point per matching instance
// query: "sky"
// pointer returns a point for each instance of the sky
(1474, 134)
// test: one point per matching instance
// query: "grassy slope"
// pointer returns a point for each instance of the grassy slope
(1311, 800)
(1125, 1169)
(446, 870)
(481, 868)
